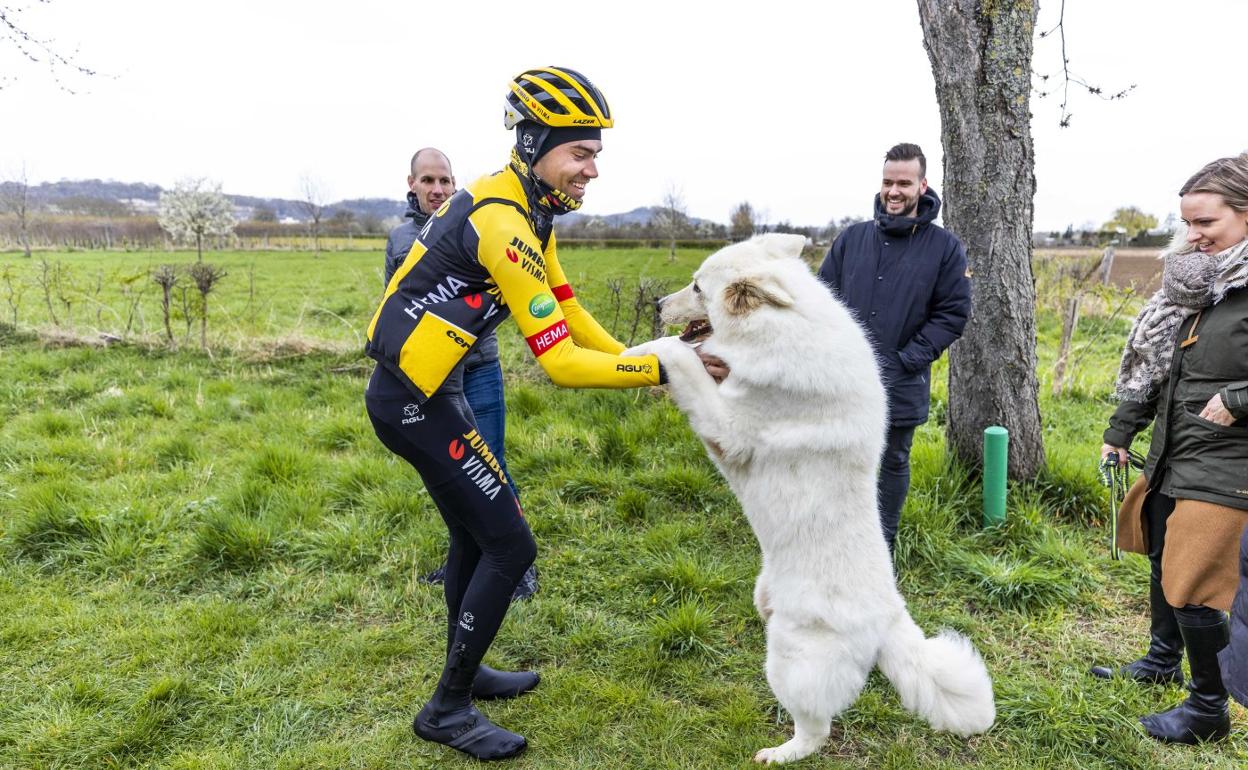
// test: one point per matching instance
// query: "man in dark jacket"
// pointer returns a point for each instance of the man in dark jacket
(905, 279)
(430, 184)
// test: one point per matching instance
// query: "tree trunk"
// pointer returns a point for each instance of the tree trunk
(980, 52)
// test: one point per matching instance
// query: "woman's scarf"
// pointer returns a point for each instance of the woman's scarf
(1190, 280)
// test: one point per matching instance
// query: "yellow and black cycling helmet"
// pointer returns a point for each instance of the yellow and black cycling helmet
(556, 97)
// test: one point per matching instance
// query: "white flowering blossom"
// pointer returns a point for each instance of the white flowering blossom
(194, 209)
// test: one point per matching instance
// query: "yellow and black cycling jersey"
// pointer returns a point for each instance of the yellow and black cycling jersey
(477, 260)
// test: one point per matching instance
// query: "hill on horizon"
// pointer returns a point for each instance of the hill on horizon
(113, 197)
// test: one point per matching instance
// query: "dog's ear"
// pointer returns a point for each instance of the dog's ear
(745, 295)
(776, 245)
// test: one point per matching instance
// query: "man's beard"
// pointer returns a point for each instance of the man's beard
(911, 208)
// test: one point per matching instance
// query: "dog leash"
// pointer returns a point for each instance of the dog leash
(1118, 479)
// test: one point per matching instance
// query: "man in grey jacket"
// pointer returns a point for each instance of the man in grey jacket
(430, 184)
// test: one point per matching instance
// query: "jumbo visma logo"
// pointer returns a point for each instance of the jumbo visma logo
(480, 466)
(541, 305)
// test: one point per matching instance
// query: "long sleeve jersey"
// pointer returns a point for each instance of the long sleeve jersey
(477, 260)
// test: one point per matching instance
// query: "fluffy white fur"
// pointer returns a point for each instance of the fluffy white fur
(797, 429)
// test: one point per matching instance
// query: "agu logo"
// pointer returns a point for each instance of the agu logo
(473, 301)
(411, 414)
(541, 305)
(642, 368)
(513, 256)
(456, 449)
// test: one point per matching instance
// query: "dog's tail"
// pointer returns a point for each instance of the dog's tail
(942, 679)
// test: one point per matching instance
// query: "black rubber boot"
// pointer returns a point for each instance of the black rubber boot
(451, 719)
(1163, 663)
(1204, 715)
(492, 684)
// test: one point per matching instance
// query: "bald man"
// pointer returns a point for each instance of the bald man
(429, 185)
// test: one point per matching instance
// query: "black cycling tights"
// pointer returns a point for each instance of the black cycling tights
(490, 542)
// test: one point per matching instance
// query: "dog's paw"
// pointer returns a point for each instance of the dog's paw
(787, 752)
(644, 349)
(776, 755)
(667, 349)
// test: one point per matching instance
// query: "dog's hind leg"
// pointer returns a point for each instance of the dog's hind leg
(809, 733)
(762, 601)
(815, 679)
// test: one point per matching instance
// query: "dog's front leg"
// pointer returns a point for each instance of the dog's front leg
(694, 390)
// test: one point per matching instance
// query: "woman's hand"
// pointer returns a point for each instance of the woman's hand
(1107, 450)
(1214, 411)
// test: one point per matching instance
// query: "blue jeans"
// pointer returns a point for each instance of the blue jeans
(894, 479)
(483, 388)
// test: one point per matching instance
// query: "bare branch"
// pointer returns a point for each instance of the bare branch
(1069, 77)
(37, 50)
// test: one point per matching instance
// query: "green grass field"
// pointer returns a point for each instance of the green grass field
(207, 560)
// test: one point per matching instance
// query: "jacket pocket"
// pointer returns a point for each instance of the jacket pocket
(1208, 456)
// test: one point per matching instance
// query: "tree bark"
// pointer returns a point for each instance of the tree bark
(980, 52)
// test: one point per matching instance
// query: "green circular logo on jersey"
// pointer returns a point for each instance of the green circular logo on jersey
(541, 305)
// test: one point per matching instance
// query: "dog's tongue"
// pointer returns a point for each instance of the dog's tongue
(696, 331)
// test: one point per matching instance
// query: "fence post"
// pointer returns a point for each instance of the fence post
(996, 459)
(1063, 351)
(1107, 264)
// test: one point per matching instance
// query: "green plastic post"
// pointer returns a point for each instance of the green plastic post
(996, 452)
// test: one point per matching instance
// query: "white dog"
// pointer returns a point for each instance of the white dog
(797, 429)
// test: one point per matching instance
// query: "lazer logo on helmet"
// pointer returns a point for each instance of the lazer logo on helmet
(584, 121)
(635, 368)
(541, 305)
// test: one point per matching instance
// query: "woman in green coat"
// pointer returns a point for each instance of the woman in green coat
(1185, 370)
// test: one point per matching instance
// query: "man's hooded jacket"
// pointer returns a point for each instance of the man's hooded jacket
(905, 279)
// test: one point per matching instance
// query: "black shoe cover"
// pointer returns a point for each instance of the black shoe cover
(468, 730)
(491, 684)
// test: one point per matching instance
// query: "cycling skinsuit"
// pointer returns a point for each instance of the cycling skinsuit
(478, 259)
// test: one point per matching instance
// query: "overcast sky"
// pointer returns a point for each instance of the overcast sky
(789, 105)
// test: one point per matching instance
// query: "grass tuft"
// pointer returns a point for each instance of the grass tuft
(52, 516)
(281, 464)
(685, 630)
(234, 540)
(1012, 583)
